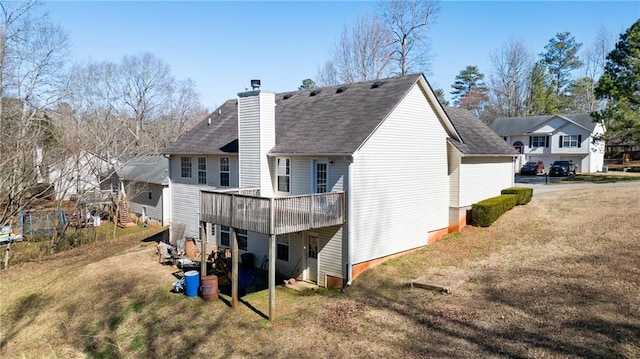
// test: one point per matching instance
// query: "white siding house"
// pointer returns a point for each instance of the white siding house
(554, 137)
(145, 180)
(341, 178)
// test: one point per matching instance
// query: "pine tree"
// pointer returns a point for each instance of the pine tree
(561, 58)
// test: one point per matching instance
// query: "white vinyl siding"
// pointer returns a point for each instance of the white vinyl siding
(141, 199)
(249, 141)
(483, 177)
(330, 256)
(395, 208)
(454, 176)
(185, 207)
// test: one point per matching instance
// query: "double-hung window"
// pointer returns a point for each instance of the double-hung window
(242, 239)
(282, 247)
(570, 141)
(284, 174)
(225, 234)
(538, 141)
(185, 167)
(224, 172)
(202, 170)
(321, 177)
(225, 237)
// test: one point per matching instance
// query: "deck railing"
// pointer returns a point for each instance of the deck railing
(290, 214)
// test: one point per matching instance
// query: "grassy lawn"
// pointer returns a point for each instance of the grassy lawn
(603, 178)
(558, 277)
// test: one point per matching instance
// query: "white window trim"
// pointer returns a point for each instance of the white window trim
(200, 171)
(568, 141)
(284, 239)
(245, 235)
(286, 168)
(535, 141)
(183, 161)
(315, 175)
(227, 171)
(227, 231)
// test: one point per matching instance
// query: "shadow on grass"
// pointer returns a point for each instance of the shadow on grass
(22, 314)
(545, 312)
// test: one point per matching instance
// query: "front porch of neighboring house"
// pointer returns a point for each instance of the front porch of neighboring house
(245, 209)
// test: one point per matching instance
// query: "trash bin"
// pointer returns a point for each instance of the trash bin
(191, 283)
(605, 169)
(247, 260)
(210, 287)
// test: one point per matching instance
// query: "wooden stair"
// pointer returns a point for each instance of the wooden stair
(124, 213)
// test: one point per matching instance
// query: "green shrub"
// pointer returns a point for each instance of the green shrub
(524, 194)
(484, 213)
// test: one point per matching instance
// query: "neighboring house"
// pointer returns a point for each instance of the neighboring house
(145, 181)
(334, 180)
(554, 137)
(73, 175)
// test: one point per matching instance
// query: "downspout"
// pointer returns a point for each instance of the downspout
(168, 157)
(350, 230)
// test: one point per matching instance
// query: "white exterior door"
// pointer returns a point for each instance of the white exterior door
(311, 258)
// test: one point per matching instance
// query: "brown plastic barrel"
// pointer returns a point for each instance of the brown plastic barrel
(209, 287)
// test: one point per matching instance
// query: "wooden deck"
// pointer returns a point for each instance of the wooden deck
(254, 213)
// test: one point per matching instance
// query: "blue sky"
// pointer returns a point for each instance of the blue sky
(222, 45)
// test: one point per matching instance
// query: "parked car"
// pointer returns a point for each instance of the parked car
(529, 168)
(562, 169)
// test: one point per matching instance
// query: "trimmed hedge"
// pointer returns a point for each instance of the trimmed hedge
(524, 194)
(484, 213)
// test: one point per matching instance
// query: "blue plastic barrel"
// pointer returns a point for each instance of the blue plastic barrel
(191, 283)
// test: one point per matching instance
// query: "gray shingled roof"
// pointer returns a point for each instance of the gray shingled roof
(148, 169)
(335, 120)
(327, 122)
(477, 138)
(507, 126)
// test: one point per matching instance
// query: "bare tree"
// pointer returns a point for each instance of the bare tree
(33, 53)
(180, 112)
(408, 22)
(145, 83)
(595, 56)
(327, 75)
(512, 65)
(582, 90)
(361, 54)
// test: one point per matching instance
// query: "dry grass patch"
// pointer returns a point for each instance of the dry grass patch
(558, 277)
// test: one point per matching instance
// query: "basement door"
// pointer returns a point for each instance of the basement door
(311, 257)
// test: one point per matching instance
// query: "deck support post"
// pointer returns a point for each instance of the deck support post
(203, 249)
(234, 269)
(272, 261)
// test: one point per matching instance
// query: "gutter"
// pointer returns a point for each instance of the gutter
(346, 156)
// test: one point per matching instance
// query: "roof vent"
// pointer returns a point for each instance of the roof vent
(314, 92)
(287, 96)
(377, 84)
(341, 89)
